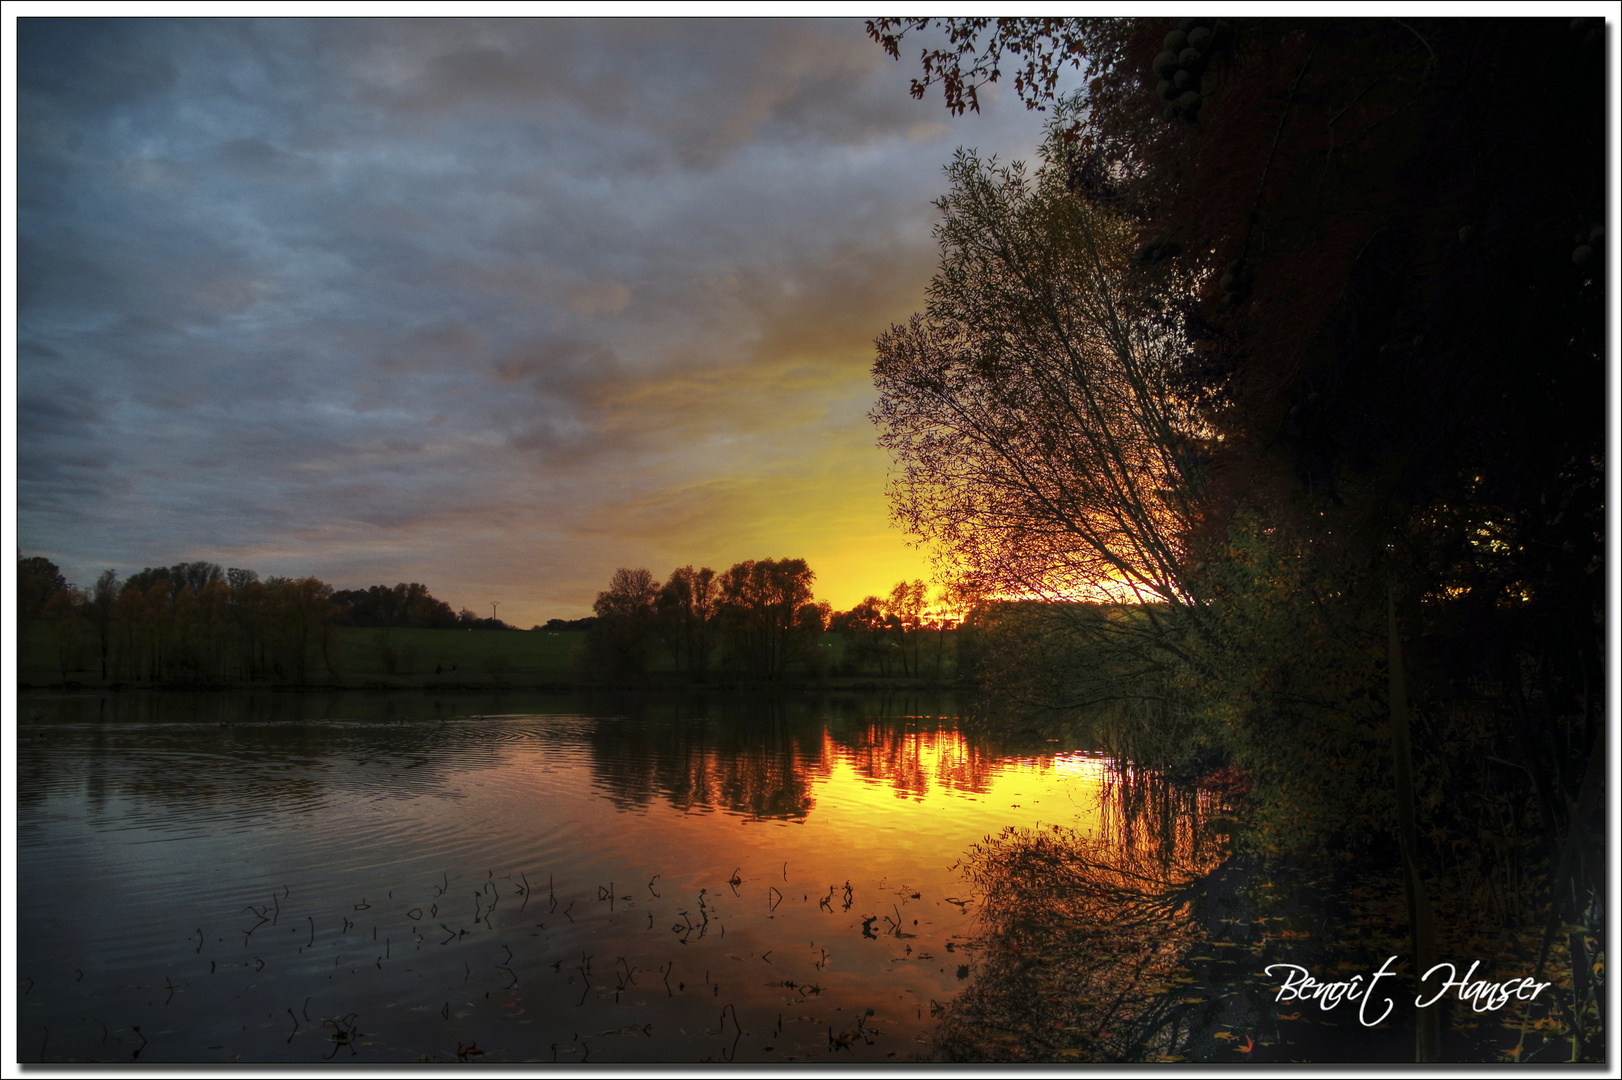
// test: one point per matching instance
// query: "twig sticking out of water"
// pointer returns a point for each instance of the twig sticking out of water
(667, 969)
(844, 1039)
(771, 905)
(650, 886)
(585, 989)
(290, 1034)
(739, 1027)
(259, 913)
(343, 1034)
(199, 941)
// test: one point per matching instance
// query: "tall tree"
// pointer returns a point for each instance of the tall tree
(38, 579)
(686, 613)
(65, 612)
(764, 616)
(619, 643)
(100, 610)
(1339, 214)
(1043, 447)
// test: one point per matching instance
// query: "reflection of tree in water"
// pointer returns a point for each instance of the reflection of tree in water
(1082, 936)
(232, 754)
(760, 764)
(912, 761)
(1142, 812)
(760, 756)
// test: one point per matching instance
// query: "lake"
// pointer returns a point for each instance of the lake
(299, 878)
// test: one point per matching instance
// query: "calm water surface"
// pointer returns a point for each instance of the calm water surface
(215, 877)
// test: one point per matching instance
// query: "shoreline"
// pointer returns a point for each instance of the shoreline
(561, 685)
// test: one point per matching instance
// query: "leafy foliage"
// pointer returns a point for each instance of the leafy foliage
(1326, 242)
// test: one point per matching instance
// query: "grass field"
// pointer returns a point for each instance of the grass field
(459, 652)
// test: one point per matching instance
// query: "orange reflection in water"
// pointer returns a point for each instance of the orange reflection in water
(896, 798)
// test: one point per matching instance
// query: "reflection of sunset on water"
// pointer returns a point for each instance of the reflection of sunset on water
(910, 794)
(806, 863)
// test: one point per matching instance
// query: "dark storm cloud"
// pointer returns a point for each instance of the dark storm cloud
(417, 299)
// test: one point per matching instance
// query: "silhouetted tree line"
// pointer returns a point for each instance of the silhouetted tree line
(753, 621)
(892, 635)
(556, 625)
(403, 605)
(196, 622)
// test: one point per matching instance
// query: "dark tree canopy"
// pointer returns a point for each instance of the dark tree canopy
(402, 605)
(1377, 248)
(38, 579)
(1381, 240)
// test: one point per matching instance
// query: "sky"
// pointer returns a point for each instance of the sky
(494, 306)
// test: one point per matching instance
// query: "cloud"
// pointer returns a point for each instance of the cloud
(255, 159)
(466, 302)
